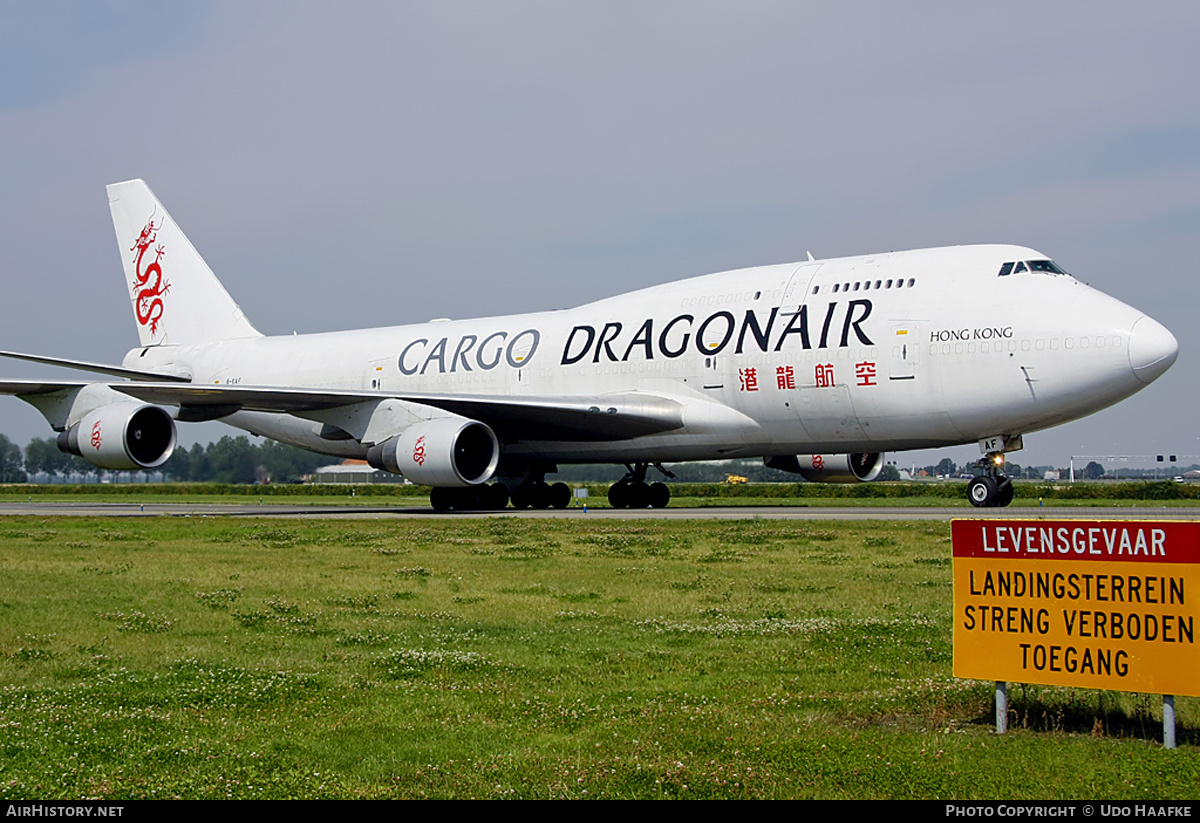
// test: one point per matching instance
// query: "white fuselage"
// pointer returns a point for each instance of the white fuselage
(882, 352)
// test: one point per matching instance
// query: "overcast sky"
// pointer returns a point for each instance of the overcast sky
(352, 164)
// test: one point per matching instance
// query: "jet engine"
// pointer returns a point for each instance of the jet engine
(446, 451)
(122, 436)
(830, 468)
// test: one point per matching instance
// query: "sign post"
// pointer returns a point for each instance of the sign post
(1090, 604)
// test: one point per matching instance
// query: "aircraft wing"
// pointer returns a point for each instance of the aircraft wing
(602, 417)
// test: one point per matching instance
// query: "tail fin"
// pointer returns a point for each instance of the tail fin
(176, 298)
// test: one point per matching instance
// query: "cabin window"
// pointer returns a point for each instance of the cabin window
(911, 282)
(1006, 269)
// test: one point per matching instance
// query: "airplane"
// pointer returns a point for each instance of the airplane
(819, 367)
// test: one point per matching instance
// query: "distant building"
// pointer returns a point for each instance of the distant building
(1052, 474)
(354, 471)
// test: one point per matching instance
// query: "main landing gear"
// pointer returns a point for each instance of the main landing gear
(538, 494)
(533, 492)
(993, 489)
(633, 492)
(484, 497)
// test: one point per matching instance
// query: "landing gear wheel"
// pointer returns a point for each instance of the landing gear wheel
(660, 495)
(441, 498)
(560, 495)
(982, 491)
(1004, 495)
(496, 496)
(539, 495)
(638, 496)
(618, 496)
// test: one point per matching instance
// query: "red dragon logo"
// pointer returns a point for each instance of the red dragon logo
(96, 435)
(419, 451)
(149, 285)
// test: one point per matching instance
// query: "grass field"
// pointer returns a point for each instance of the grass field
(500, 657)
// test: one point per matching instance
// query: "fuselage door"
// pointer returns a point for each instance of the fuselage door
(797, 289)
(905, 350)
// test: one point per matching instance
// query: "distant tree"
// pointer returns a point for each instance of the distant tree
(189, 464)
(946, 466)
(177, 464)
(233, 460)
(1093, 471)
(11, 470)
(889, 472)
(199, 463)
(44, 457)
(281, 463)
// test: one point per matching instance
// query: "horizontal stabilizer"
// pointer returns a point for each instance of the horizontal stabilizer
(98, 368)
(29, 388)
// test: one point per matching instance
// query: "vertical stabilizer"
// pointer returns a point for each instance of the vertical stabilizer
(177, 300)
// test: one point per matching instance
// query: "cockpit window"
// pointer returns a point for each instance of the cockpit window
(1043, 266)
(1047, 266)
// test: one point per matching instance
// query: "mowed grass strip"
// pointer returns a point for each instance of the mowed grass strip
(502, 657)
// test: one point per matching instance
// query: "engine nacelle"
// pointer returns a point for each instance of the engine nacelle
(830, 468)
(447, 451)
(122, 436)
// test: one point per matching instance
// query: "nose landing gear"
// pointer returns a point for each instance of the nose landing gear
(993, 489)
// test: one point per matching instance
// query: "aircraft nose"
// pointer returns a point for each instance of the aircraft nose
(1152, 349)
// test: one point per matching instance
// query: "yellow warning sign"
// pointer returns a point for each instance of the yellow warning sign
(1091, 604)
